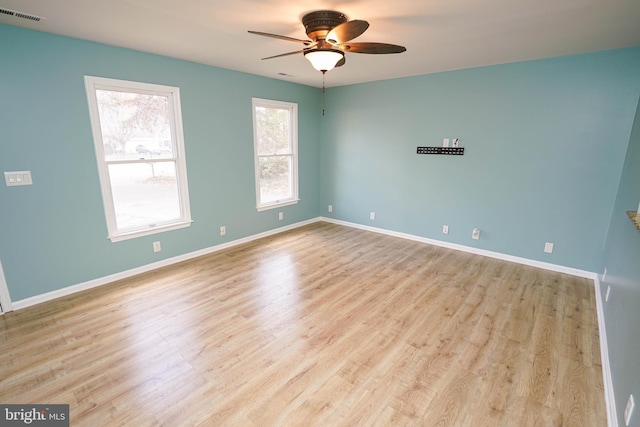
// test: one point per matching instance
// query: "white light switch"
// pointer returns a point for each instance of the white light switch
(18, 178)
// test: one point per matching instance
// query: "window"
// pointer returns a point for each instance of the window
(137, 131)
(275, 135)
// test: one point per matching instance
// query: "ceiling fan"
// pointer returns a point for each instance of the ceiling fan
(330, 33)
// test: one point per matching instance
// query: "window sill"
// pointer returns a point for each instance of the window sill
(139, 233)
(277, 205)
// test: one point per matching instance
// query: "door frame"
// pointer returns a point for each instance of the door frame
(5, 298)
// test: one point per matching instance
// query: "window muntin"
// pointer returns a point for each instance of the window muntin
(275, 125)
(137, 129)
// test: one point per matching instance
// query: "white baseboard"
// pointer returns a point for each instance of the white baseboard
(142, 269)
(609, 397)
(612, 420)
(27, 302)
(606, 370)
(490, 254)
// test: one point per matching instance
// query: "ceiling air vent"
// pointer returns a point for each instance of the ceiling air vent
(22, 15)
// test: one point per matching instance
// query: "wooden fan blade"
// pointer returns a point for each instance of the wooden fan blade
(285, 54)
(277, 36)
(347, 31)
(373, 48)
(342, 61)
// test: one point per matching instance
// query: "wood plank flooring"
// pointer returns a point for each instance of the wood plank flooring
(320, 326)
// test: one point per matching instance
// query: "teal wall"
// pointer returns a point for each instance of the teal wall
(552, 155)
(53, 234)
(544, 146)
(622, 261)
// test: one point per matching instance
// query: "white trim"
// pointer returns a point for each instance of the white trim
(609, 396)
(612, 420)
(143, 269)
(277, 205)
(292, 107)
(476, 251)
(5, 298)
(146, 232)
(92, 84)
(38, 299)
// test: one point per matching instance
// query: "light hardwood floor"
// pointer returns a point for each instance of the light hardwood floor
(324, 325)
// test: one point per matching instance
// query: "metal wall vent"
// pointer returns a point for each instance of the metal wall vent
(20, 14)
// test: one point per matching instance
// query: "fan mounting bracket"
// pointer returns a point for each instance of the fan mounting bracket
(318, 24)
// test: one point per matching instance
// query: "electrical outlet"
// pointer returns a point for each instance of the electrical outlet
(454, 143)
(475, 235)
(157, 247)
(280, 216)
(606, 295)
(548, 247)
(330, 208)
(223, 230)
(628, 410)
(445, 142)
(445, 229)
(372, 216)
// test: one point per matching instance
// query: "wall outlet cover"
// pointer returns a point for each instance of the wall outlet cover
(628, 410)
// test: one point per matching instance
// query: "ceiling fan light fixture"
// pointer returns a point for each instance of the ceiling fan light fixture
(324, 59)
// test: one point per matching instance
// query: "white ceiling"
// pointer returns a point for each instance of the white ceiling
(440, 35)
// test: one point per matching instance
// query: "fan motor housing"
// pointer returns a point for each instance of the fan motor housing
(318, 24)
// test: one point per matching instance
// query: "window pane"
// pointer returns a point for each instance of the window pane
(275, 178)
(144, 194)
(273, 130)
(134, 125)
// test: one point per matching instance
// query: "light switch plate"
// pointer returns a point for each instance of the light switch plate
(16, 178)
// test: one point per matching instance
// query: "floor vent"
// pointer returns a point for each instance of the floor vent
(20, 15)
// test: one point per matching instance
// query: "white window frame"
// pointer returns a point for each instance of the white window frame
(293, 153)
(173, 94)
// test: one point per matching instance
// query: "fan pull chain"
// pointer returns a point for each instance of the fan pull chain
(323, 73)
